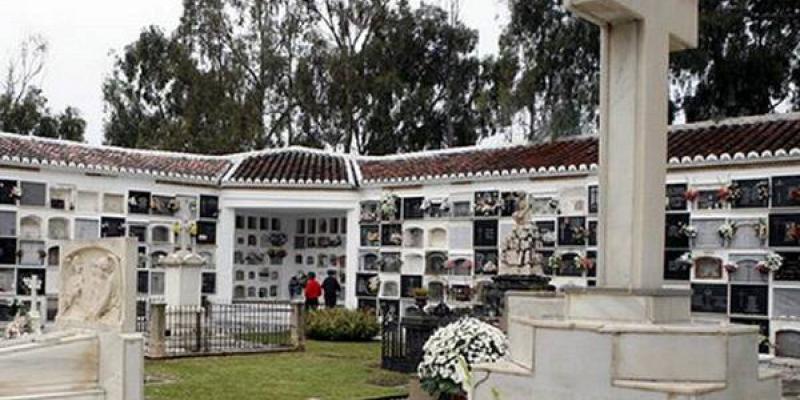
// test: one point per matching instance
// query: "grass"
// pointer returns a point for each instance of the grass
(326, 371)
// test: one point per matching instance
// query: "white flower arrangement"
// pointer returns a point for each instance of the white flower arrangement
(773, 263)
(690, 231)
(389, 205)
(451, 351)
(685, 258)
(554, 262)
(727, 231)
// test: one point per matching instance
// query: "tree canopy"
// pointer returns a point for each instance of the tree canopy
(23, 106)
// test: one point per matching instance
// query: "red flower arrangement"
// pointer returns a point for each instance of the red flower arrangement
(730, 267)
(691, 194)
(724, 193)
(794, 194)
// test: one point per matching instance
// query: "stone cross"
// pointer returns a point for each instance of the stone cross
(34, 285)
(637, 37)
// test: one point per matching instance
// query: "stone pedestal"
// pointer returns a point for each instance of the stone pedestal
(563, 347)
(183, 278)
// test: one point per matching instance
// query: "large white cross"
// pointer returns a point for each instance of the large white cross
(34, 284)
(637, 37)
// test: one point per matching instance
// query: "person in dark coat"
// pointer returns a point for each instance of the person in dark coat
(331, 288)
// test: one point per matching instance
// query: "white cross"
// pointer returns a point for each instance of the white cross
(637, 37)
(34, 284)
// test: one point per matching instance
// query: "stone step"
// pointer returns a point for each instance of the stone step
(672, 388)
(92, 394)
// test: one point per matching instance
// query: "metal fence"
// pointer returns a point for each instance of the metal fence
(220, 329)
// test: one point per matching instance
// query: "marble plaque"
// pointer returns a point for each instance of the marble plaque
(674, 268)
(462, 209)
(6, 188)
(707, 267)
(544, 206)
(390, 289)
(412, 208)
(138, 202)
(571, 231)
(163, 205)
(568, 265)
(673, 236)
(573, 200)
(710, 298)
(487, 203)
(413, 238)
(485, 233)
(751, 193)
(486, 262)
(510, 202)
(8, 223)
(112, 227)
(209, 283)
(786, 302)
(547, 230)
(709, 200)
(391, 235)
(594, 199)
(206, 232)
(58, 228)
(749, 299)
(33, 194)
(30, 227)
(8, 251)
(676, 197)
(435, 263)
(24, 273)
(369, 262)
(209, 206)
(113, 203)
(33, 253)
(413, 264)
(746, 235)
(408, 283)
(708, 233)
(790, 270)
(391, 263)
(369, 212)
(389, 308)
(787, 343)
(370, 236)
(87, 229)
(87, 202)
(785, 191)
(747, 270)
(6, 281)
(784, 230)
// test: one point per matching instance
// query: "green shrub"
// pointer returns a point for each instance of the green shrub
(341, 325)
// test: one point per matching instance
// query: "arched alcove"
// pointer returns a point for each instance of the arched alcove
(30, 227)
(160, 234)
(238, 292)
(390, 289)
(58, 228)
(437, 238)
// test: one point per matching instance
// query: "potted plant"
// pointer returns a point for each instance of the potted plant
(450, 353)
(420, 297)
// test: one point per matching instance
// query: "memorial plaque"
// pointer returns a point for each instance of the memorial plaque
(30, 227)
(163, 205)
(33, 194)
(8, 223)
(370, 236)
(763, 326)
(709, 200)
(747, 268)
(749, 299)
(676, 197)
(750, 193)
(676, 269)
(412, 208)
(138, 202)
(790, 270)
(252, 223)
(391, 263)
(408, 283)
(746, 235)
(209, 284)
(209, 206)
(787, 343)
(710, 298)
(547, 232)
(461, 293)
(369, 212)
(594, 199)
(569, 266)
(673, 235)
(572, 231)
(786, 191)
(511, 202)
(206, 232)
(139, 232)
(392, 235)
(8, 251)
(485, 233)
(414, 238)
(592, 255)
(592, 233)
(87, 202)
(435, 263)
(487, 203)
(784, 230)
(461, 266)
(32, 253)
(6, 190)
(486, 262)
(707, 233)
(390, 289)
(87, 229)
(369, 262)
(112, 227)
(367, 284)
(263, 223)
(157, 283)
(436, 291)
(6, 281)
(24, 273)
(708, 268)
(389, 308)
(368, 305)
(462, 209)
(413, 264)
(786, 303)
(544, 206)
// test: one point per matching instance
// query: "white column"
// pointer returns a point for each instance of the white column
(226, 242)
(353, 239)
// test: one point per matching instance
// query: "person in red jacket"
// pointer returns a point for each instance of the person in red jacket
(313, 291)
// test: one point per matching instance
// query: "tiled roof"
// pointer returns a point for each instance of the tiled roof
(292, 166)
(733, 140)
(28, 150)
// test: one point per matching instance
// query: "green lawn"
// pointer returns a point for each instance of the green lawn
(325, 371)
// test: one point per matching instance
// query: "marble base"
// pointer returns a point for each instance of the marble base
(568, 350)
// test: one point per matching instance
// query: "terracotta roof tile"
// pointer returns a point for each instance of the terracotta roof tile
(293, 165)
(57, 152)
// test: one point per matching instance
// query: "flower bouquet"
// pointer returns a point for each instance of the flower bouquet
(773, 263)
(450, 353)
(727, 231)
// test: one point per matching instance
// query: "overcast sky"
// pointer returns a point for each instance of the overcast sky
(83, 33)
